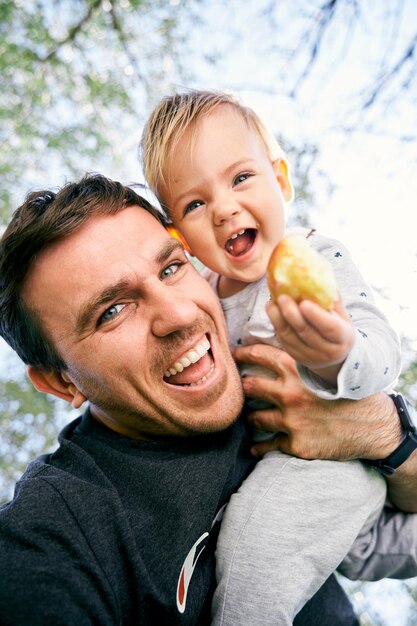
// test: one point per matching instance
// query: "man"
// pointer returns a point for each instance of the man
(119, 525)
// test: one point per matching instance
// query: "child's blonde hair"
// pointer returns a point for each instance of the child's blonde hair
(174, 115)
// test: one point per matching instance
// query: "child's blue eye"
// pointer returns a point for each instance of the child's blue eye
(240, 179)
(192, 205)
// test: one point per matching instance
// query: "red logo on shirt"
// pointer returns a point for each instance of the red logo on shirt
(187, 571)
(190, 564)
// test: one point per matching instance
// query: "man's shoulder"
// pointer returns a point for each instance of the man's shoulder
(55, 487)
(61, 499)
(57, 534)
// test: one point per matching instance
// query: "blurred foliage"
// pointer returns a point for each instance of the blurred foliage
(75, 73)
(29, 425)
(68, 69)
(308, 180)
(408, 378)
(381, 603)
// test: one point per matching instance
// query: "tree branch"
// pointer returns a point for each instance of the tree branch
(387, 77)
(73, 32)
(124, 43)
(326, 13)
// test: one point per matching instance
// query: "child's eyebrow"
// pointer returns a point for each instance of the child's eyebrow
(246, 161)
(239, 163)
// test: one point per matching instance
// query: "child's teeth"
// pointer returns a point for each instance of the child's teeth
(236, 235)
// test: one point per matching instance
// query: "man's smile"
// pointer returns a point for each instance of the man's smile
(193, 367)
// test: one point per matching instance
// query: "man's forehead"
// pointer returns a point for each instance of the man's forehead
(101, 240)
(106, 257)
(127, 223)
(133, 217)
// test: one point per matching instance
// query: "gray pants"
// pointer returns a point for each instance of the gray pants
(286, 530)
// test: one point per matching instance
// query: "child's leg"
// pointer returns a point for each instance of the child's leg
(285, 531)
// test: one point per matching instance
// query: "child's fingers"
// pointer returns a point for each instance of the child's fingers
(312, 335)
(334, 327)
(283, 330)
(340, 309)
(295, 327)
(275, 315)
(290, 318)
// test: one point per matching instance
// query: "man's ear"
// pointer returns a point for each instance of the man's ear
(58, 384)
(282, 174)
(174, 233)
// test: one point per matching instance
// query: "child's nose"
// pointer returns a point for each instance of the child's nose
(225, 210)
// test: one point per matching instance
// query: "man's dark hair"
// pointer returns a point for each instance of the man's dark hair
(45, 217)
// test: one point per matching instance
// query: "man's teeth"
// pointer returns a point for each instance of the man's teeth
(198, 382)
(191, 357)
(236, 235)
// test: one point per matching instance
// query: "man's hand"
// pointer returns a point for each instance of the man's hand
(318, 339)
(312, 428)
(308, 426)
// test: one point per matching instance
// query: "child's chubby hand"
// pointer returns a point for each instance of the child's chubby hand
(314, 337)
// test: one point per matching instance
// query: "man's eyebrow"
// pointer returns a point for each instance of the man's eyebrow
(105, 296)
(167, 249)
(111, 293)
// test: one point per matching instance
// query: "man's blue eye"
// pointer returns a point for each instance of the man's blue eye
(240, 179)
(170, 270)
(110, 313)
(192, 205)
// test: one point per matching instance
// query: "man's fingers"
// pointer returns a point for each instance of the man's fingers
(268, 356)
(262, 388)
(279, 442)
(269, 420)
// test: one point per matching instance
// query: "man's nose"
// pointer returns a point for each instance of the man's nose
(173, 310)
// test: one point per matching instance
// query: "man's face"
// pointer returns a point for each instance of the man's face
(127, 312)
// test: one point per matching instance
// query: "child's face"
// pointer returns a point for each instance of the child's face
(226, 197)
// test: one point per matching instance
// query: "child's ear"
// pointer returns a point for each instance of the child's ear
(282, 174)
(174, 233)
(58, 384)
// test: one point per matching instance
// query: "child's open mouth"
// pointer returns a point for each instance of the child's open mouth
(241, 242)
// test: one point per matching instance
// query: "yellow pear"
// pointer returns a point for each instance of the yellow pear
(296, 269)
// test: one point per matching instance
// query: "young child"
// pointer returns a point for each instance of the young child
(224, 182)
